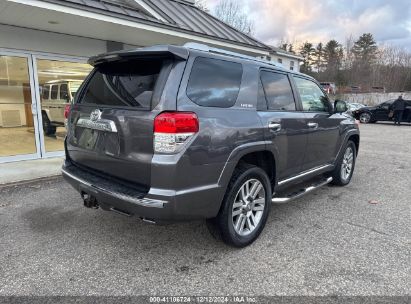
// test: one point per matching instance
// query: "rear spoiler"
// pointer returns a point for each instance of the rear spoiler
(158, 50)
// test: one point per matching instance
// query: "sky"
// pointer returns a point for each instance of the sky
(317, 21)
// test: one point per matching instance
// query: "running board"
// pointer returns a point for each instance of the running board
(296, 194)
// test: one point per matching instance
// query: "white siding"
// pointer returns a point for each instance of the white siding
(40, 41)
(286, 62)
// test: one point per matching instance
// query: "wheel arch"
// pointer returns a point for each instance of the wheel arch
(256, 155)
(356, 139)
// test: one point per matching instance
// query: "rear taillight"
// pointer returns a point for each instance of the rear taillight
(67, 111)
(172, 130)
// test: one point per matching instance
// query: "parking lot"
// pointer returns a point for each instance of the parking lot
(335, 241)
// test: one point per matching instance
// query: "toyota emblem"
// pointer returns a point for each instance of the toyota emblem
(95, 115)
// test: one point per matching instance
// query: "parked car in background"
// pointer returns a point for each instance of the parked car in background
(171, 133)
(380, 112)
(352, 106)
(355, 106)
(57, 96)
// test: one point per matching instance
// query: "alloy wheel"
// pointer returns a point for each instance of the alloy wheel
(248, 207)
(365, 118)
(347, 164)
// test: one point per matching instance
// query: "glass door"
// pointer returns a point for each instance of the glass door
(58, 80)
(19, 138)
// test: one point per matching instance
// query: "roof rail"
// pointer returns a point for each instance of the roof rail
(206, 48)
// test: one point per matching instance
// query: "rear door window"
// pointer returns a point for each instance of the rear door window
(127, 84)
(278, 92)
(214, 82)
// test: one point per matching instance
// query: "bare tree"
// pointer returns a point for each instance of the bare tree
(230, 12)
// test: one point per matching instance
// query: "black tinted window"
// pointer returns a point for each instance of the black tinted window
(46, 92)
(130, 83)
(214, 83)
(278, 91)
(54, 91)
(64, 91)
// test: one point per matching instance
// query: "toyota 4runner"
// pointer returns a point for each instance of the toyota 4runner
(170, 133)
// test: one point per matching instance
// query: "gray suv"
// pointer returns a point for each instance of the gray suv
(170, 133)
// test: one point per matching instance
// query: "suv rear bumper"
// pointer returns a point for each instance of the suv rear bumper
(157, 205)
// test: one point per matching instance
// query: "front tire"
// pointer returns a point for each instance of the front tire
(245, 207)
(344, 168)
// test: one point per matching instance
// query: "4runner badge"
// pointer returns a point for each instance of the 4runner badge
(95, 115)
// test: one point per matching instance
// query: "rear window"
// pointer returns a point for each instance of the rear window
(127, 84)
(214, 82)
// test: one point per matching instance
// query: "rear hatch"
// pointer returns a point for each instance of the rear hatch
(111, 123)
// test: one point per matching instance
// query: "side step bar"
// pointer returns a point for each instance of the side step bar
(302, 192)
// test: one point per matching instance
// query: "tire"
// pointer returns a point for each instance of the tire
(365, 118)
(340, 175)
(48, 128)
(246, 225)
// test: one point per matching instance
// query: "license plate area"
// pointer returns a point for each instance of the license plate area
(98, 141)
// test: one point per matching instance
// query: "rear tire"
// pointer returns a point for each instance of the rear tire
(344, 168)
(48, 128)
(245, 207)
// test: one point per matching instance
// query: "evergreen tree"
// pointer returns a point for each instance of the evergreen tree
(307, 51)
(319, 57)
(333, 54)
(365, 49)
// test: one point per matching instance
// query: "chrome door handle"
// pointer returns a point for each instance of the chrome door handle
(274, 126)
(312, 125)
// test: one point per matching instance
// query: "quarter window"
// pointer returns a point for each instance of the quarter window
(278, 93)
(214, 82)
(312, 97)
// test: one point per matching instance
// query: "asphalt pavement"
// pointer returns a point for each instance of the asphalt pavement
(336, 241)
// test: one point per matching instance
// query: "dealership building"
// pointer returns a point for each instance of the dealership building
(44, 46)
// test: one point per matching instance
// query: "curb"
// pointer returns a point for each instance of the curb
(31, 181)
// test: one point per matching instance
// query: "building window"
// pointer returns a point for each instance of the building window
(292, 65)
(280, 60)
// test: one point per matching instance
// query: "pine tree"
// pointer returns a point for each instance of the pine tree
(307, 51)
(365, 49)
(319, 57)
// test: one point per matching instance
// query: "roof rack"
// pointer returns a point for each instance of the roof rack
(206, 48)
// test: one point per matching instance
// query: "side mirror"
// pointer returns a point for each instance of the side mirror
(340, 106)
